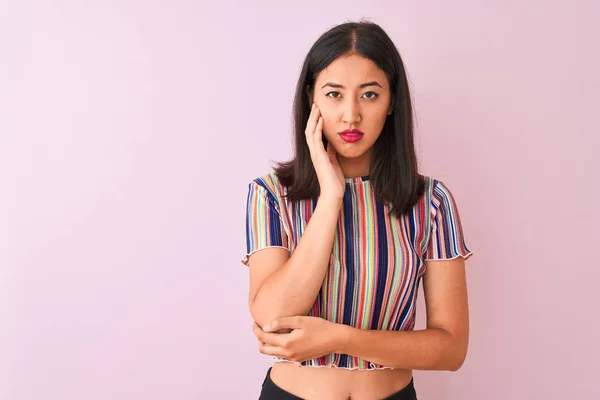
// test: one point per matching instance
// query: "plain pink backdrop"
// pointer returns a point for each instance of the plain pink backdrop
(129, 131)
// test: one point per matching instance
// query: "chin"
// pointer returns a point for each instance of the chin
(354, 152)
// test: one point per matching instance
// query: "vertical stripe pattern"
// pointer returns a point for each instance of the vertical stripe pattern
(377, 259)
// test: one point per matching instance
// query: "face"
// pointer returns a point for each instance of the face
(353, 93)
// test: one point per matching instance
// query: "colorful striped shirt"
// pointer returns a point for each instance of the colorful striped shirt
(377, 259)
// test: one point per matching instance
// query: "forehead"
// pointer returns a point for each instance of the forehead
(352, 70)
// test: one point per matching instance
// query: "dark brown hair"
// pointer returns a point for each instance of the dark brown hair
(394, 165)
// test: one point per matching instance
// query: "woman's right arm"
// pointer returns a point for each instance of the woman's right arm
(283, 285)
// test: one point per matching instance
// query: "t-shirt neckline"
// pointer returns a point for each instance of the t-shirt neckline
(357, 179)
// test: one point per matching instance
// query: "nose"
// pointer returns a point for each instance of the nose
(351, 112)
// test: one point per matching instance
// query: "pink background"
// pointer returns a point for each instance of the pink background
(130, 129)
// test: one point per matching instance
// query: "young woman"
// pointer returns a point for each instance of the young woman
(346, 231)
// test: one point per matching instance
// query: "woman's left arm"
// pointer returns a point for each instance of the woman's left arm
(442, 346)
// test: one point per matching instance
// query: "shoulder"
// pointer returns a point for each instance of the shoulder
(269, 185)
(435, 187)
(437, 193)
(433, 183)
(440, 198)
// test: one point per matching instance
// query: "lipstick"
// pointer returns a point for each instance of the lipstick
(351, 135)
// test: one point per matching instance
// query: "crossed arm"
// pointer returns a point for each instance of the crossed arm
(441, 346)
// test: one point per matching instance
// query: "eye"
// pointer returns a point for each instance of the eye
(368, 95)
(374, 95)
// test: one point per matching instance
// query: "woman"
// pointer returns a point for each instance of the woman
(347, 229)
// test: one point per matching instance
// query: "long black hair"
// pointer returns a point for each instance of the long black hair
(394, 165)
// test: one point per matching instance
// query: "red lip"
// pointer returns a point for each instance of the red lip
(351, 135)
(351, 132)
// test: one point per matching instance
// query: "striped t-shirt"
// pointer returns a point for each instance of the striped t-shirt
(377, 259)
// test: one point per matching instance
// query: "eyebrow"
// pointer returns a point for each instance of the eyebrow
(363, 85)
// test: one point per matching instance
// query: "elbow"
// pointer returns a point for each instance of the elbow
(458, 358)
(258, 310)
(266, 314)
(454, 354)
(456, 364)
(258, 314)
(263, 313)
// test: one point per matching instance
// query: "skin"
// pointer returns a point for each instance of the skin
(351, 106)
(442, 345)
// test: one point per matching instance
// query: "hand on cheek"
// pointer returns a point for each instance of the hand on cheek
(324, 115)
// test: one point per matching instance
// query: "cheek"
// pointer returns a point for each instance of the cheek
(326, 129)
(325, 110)
(329, 128)
(328, 119)
(377, 117)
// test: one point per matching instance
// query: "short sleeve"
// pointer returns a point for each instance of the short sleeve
(264, 225)
(446, 239)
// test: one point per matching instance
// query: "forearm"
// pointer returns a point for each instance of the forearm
(293, 288)
(429, 349)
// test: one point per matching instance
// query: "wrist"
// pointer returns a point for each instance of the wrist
(331, 200)
(341, 338)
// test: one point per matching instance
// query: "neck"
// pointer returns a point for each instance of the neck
(356, 167)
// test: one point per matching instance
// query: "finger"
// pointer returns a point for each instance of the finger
(279, 340)
(258, 332)
(273, 350)
(269, 350)
(312, 120)
(283, 323)
(276, 339)
(319, 131)
(319, 137)
(307, 132)
(284, 331)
